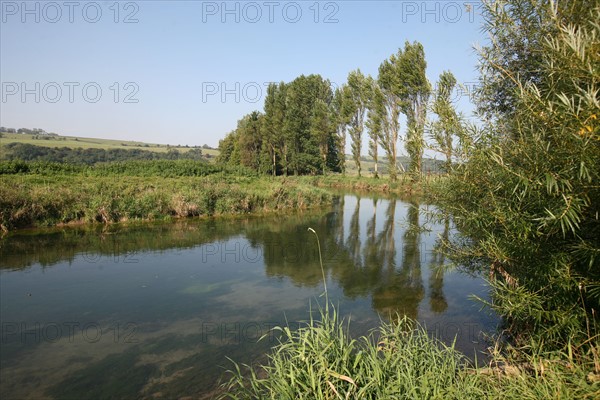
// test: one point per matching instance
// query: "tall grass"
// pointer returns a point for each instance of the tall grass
(39, 200)
(322, 361)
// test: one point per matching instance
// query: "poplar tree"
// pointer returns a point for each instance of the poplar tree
(341, 124)
(392, 92)
(356, 100)
(375, 121)
(447, 127)
(414, 90)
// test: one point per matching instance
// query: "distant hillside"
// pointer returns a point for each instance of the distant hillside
(54, 140)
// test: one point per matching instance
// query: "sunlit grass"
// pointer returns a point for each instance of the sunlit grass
(39, 200)
(322, 361)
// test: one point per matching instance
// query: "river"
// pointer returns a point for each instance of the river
(152, 310)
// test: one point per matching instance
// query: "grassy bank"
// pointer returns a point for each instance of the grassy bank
(49, 193)
(427, 186)
(34, 199)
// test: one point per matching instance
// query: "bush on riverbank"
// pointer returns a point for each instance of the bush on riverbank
(529, 195)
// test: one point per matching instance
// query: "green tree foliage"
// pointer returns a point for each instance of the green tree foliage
(375, 121)
(530, 193)
(404, 89)
(273, 144)
(302, 95)
(356, 99)
(30, 152)
(389, 109)
(228, 153)
(341, 124)
(250, 140)
(448, 124)
(520, 30)
(321, 130)
(335, 156)
(414, 90)
(296, 134)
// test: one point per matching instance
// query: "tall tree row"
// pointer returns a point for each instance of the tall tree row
(306, 125)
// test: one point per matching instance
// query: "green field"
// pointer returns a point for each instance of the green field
(86, 143)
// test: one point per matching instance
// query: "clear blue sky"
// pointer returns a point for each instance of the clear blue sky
(196, 67)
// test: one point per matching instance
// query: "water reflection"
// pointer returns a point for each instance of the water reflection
(437, 300)
(196, 291)
(402, 288)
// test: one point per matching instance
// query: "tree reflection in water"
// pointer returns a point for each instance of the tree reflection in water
(368, 252)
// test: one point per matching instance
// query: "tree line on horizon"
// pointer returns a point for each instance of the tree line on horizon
(90, 156)
(305, 124)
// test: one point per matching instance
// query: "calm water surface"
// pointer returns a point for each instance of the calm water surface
(153, 310)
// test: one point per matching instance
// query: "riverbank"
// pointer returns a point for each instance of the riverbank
(426, 187)
(38, 194)
(33, 200)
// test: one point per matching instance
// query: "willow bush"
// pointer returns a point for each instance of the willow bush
(530, 193)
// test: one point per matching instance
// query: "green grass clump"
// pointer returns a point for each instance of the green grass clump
(399, 360)
(322, 361)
